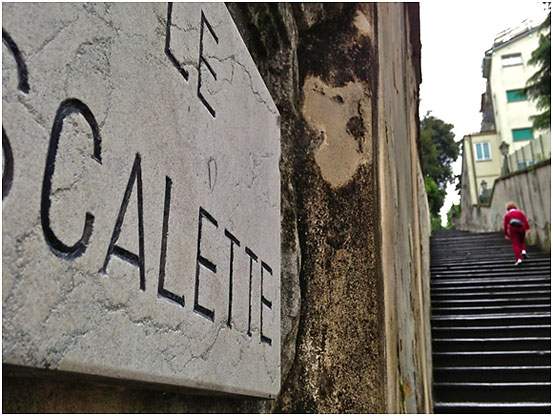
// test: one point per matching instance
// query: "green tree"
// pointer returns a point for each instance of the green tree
(436, 196)
(439, 151)
(538, 86)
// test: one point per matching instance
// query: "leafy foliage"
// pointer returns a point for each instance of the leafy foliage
(439, 151)
(435, 222)
(538, 86)
(435, 195)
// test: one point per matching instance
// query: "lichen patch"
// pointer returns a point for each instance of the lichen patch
(362, 24)
(345, 124)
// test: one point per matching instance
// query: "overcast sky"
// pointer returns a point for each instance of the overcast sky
(454, 37)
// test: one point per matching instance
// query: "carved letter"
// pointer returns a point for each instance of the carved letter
(202, 60)
(22, 73)
(23, 86)
(60, 249)
(253, 258)
(163, 256)
(168, 51)
(233, 241)
(200, 260)
(266, 302)
(135, 260)
(7, 175)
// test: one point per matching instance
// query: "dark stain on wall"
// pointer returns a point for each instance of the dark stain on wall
(338, 364)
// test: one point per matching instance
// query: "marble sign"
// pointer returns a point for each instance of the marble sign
(140, 197)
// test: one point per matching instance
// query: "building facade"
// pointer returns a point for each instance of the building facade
(506, 115)
(481, 164)
(506, 68)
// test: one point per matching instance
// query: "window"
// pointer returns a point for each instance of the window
(482, 151)
(511, 60)
(516, 95)
(522, 134)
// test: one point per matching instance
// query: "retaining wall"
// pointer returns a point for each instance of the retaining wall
(530, 189)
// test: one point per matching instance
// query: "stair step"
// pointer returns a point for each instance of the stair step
(505, 261)
(492, 407)
(489, 301)
(528, 318)
(503, 249)
(511, 272)
(483, 295)
(490, 325)
(487, 309)
(466, 358)
(491, 374)
(491, 344)
(519, 284)
(488, 266)
(516, 288)
(500, 331)
(536, 391)
(454, 262)
(474, 281)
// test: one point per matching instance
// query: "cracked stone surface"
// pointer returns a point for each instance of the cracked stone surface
(66, 313)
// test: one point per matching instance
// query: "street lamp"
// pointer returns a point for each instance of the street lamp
(484, 194)
(504, 148)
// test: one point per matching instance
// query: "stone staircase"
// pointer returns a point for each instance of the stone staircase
(491, 325)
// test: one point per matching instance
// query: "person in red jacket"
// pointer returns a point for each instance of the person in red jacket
(515, 227)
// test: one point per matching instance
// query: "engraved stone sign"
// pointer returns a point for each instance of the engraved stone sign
(140, 197)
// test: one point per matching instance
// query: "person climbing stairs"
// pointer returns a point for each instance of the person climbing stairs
(491, 325)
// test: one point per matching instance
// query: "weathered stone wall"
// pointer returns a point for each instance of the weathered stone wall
(355, 224)
(404, 233)
(530, 189)
(350, 165)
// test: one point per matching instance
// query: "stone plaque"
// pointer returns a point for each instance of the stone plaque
(140, 196)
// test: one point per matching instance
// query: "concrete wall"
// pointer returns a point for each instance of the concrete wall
(354, 222)
(530, 189)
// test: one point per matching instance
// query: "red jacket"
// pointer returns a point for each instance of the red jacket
(517, 215)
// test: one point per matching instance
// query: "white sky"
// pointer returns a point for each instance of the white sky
(454, 37)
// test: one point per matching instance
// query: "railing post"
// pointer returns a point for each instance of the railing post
(524, 156)
(532, 152)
